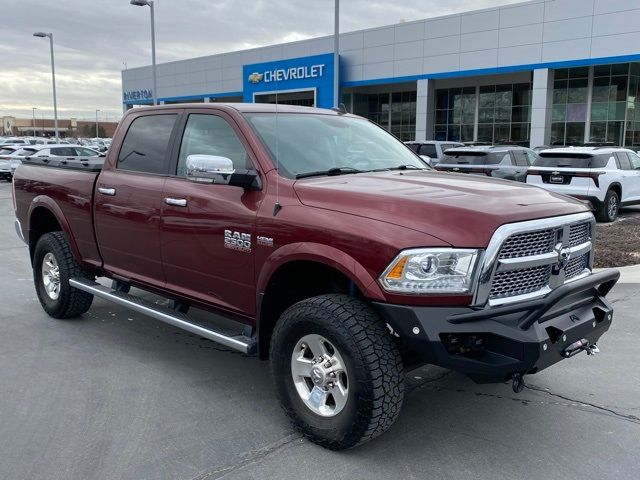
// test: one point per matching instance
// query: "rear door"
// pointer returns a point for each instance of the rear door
(634, 173)
(128, 198)
(200, 220)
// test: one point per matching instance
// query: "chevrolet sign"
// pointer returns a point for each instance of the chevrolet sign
(284, 74)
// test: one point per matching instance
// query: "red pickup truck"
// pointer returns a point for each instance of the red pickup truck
(343, 258)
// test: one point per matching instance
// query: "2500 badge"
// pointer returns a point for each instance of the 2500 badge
(237, 241)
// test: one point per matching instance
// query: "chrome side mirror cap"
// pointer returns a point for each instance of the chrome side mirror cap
(209, 169)
(220, 171)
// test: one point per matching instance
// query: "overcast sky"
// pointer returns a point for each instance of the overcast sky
(94, 39)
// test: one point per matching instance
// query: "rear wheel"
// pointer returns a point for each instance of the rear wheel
(338, 373)
(609, 210)
(53, 266)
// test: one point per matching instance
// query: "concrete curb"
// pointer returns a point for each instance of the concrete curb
(630, 274)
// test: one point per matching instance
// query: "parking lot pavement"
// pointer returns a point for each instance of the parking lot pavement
(115, 395)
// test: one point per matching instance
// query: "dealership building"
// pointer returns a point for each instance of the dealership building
(562, 72)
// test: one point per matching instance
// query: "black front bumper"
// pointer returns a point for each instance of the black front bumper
(491, 344)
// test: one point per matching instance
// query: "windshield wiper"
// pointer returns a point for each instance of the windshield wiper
(331, 171)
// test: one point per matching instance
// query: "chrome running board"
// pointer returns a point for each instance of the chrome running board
(238, 342)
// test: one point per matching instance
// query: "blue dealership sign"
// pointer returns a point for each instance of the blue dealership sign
(291, 75)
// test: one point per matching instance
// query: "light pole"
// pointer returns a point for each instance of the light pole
(53, 78)
(97, 136)
(33, 112)
(149, 3)
(336, 55)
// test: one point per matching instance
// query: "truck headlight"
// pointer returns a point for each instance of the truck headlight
(431, 270)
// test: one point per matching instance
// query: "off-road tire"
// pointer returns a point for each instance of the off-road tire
(604, 212)
(373, 362)
(71, 302)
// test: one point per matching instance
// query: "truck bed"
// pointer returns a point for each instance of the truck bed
(66, 185)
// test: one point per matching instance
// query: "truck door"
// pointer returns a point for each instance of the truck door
(128, 198)
(208, 230)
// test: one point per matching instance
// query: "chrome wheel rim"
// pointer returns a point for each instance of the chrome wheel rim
(319, 375)
(51, 276)
(613, 207)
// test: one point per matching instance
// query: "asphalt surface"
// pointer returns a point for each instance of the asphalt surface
(114, 395)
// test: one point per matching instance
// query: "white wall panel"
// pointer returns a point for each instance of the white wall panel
(514, 16)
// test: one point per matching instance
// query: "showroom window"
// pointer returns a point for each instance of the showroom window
(570, 97)
(394, 111)
(455, 114)
(610, 87)
(504, 113)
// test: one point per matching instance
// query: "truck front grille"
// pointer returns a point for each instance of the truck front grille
(520, 282)
(529, 243)
(576, 266)
(531, 262)
(579, 234)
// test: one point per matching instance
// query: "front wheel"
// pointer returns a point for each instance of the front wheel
(337, 370)
(53, 266)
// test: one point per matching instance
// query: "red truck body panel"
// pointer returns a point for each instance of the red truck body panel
(354, 223)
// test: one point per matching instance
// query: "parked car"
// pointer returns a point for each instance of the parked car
(13, 141)
(432, 151)
(505, 162)
(343, 266)
(6, 152)
(55, 150)
(606, 177)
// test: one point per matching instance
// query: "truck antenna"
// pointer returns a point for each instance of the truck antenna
(276, 206)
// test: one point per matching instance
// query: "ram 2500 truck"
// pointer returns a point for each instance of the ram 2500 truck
(344, 259)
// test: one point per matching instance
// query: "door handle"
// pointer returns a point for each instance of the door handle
(107, 191)
(176, 202)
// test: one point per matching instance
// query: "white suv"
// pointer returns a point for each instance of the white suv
(608, 177)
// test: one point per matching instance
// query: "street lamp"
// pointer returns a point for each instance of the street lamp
(33, 112)
(97, 136)
(149, 3)
(53, 78)
(336, 54)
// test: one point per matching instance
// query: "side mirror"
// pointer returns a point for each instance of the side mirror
(219, 170)
(427, 159)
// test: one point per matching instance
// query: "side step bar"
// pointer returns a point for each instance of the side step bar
(237, 342)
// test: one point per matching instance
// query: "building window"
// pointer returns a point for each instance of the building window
(455, 114)
(394, 111)
(570, 98)
(504, 113)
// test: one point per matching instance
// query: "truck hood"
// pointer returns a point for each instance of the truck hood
(460, 209)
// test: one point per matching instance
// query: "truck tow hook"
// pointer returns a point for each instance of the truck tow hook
(579, 346)
(517, 382)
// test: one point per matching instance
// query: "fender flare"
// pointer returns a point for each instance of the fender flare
(323, 254)
(43, 201)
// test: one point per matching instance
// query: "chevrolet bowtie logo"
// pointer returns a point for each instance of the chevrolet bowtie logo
(255, 77)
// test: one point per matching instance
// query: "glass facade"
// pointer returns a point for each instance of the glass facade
(394, 111)
(503, 113)
(596, 104)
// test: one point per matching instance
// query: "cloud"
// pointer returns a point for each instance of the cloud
(94, 39)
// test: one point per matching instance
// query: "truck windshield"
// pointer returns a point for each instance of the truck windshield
(304, 144)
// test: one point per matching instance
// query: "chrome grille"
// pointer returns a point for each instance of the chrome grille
(520, 282)
(529, 259)
(576, 266)
(579, 234)
(529, 243)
